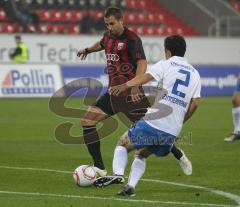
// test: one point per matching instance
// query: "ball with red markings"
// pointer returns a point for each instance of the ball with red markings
(84, 175)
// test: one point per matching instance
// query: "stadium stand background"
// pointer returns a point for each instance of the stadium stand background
(146, 17)
(208, 17)
(71, 17)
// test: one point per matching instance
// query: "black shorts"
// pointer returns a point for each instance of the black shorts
(112, 105)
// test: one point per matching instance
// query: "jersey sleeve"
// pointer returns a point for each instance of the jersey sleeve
(197, 92)
(136, 49)
(156, 71)
(102, 41)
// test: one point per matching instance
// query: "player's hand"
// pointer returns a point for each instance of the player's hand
(116, 90)
(82, 54)
(136, 95)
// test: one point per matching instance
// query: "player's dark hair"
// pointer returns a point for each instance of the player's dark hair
(176, 45)
(113, 11)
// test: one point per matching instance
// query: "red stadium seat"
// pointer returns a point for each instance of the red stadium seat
(131, 4)
(159, 18)
(96, 15)
(168, 31)
(44, 15)
(58, 28)
(158, 30)
(55, 15)
(139, 30)
(148, 30)
(141, 4)
(136, 4)
(66, 16)
(10, 28)
(179, 31)
(46, 28)
(235, 5)
(2, 15)
(129, 17)
(78, 15)
(73, 29)
(150, 18)
(32, 28)
(139, 18)
(43, 28)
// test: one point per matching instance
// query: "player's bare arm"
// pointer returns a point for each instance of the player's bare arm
(192, 108)
(137, 81)
(141, 69)
(83, 53)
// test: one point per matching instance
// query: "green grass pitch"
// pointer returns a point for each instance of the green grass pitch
(28, 147)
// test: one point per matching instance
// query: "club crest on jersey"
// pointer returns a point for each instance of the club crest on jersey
(120, 45)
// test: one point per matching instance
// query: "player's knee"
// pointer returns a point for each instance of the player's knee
(233, 100)
(143, 153)
(140, 157)
(125, 143)
(236, 100)
(124, 140)
(122, 143)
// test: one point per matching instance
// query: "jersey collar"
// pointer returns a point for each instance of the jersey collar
(178, 58)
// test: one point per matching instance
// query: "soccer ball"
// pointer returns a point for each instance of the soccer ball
(84, 175)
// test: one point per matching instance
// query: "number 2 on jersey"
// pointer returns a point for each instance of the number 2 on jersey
(181, 82)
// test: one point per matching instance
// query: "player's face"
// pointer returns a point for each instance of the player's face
(114, 26)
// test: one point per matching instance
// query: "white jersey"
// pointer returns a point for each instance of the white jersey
(179, 83)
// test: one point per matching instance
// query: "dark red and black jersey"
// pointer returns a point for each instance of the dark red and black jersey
(122, 55)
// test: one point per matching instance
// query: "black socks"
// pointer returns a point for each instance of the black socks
(92, 142)
(176, 152)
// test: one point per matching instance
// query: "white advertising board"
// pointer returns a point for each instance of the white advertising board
(29, 80)
(63, 48)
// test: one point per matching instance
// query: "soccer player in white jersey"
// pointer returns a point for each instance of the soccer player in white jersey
(179, 89)
(235, 135)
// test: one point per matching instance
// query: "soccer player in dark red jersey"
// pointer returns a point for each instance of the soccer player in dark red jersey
(125, 60)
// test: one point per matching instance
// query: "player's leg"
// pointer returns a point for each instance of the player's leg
(177, 153)
(119, 163)
(185, 164)
(120, 157)
(140, 137)
(236, 112)
(182, 159)
(235, 116)
(91, 138)
(158, 143)
(137, 111)
(137, 170)
(100, 111)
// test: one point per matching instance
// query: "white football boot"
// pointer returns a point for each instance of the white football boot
(232, 137)
(185, 164)
(99, 172)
